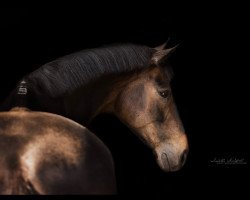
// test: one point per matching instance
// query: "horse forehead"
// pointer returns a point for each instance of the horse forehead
(156, 70)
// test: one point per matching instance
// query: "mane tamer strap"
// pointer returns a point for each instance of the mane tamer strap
(22, 89)
(21, 97)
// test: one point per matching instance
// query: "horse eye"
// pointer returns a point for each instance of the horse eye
(164, 93)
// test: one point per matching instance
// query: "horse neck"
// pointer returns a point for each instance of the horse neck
(88, 101)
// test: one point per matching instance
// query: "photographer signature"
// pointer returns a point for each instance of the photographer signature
(229, 161)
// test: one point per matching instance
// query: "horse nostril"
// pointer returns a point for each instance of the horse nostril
(183, 157)
(165, 161)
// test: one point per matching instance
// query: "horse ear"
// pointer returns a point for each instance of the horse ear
(162, 46)
(162, 54)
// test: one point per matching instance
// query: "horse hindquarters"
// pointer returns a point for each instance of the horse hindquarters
(56, 157)
(84, 169)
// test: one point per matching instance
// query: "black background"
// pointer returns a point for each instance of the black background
(209, 84)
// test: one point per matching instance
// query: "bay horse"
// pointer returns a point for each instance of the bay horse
(129, 81)
(44, 153)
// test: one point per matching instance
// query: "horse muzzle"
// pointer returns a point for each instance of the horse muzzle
(171, 157)
(170, 163)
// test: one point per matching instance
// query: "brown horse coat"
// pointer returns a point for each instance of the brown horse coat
(43, 153)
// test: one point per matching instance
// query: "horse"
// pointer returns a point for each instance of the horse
(129, 81)
(44, 153)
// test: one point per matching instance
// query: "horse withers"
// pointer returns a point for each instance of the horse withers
(43, 153)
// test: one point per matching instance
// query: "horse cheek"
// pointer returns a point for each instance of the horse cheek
(131, 105)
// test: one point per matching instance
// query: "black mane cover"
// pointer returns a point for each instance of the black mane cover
(69, 72)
